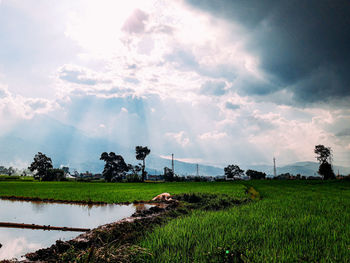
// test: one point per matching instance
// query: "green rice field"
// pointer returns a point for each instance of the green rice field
(294, 221)
(112, 192)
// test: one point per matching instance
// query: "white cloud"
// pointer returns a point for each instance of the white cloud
(136, 22)
(180, 137)
(155, 60)
(14, 106)
(213, 135)
(80, 75)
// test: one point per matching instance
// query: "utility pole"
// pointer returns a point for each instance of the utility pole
(197, 170)
(274, 167)
(172, 163)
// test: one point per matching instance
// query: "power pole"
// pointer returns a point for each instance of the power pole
(172, 163)
(274, 167)
(197, 170)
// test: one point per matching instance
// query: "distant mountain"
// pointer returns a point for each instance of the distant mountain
(303, 168)
(66, 145)
(69, 146)
(182, 168)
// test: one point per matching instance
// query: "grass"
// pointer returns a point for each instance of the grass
(4, 177)
(113, 192)
(296, 221)
(287, 221)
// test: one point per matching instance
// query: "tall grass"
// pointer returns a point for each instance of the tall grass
(113, 192)
(294, 222)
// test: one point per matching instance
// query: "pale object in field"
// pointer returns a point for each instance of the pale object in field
(162, 197)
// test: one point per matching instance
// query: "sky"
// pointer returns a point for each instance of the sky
(214, 82)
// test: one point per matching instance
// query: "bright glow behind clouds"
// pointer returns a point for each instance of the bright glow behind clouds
(165, 74)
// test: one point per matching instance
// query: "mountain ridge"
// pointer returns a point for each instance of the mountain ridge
(69, 146)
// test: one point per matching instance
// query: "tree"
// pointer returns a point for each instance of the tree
(54, 175)
(326, 171)
(324, 156)
(232, 171)
(141, 154)
(41, 165)
(255, 174)
(168, 174)
(115, 166)
(133, 175)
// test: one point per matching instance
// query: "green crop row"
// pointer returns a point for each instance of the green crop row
(113, 192)
(294, 222)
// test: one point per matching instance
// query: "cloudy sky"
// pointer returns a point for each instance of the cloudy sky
(214, 82)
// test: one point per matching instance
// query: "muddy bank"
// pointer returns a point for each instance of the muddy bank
(116, 242)
(107, 242)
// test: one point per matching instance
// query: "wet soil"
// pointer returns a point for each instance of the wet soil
(115, 242)
(102, 243)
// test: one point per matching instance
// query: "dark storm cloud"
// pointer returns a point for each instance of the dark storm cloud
(305, 45)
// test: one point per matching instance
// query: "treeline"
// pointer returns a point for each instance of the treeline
(117, 170)
(323, 154)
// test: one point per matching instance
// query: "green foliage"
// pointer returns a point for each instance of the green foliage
(8, 177)
(255, 174)
(113, 192)
(233, 171)
(41, 165)
(54, 175)
(141, 154)
(324, 156)
(323, 153)
(326, 171)
(168, 174)
(115, 166)
(295, 221)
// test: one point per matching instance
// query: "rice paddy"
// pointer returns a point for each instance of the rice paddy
(288, 221)
(294, 222)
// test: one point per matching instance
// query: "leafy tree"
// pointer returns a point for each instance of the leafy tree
(41, 165)
(115, 166)
(232, 171)
(255, 174)
(133, 175)
(168, 174)
(326, 171)
(141, 154)
(54, 175)
(324, 156)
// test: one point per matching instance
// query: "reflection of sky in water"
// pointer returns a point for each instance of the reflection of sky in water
(17, 242)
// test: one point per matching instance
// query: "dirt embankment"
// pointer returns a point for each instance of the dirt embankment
(116, 242)
(110, 242)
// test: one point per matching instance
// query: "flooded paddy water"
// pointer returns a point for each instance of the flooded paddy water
(17, 241)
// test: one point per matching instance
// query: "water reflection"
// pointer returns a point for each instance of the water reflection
(17, 242)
